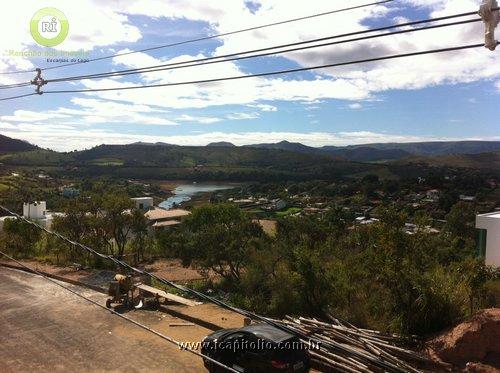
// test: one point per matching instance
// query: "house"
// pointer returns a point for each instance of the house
(432, 194)
(159, 218)
(143, 203)
(70, 192)
(467, 198)
(488, 239)
(37, 211)
(363, 220)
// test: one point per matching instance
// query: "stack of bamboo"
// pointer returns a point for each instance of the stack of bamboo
(362, 350)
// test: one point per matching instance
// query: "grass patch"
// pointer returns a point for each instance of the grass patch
(288, 211)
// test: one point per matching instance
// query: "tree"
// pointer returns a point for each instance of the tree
(220, 238)
(118, 219)
(139, 227)
(20, 237)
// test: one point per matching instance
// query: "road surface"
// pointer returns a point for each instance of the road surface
(46, 328)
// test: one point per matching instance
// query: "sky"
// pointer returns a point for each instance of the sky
(446, 96)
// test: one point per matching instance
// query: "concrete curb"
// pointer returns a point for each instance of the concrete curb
(56, 277)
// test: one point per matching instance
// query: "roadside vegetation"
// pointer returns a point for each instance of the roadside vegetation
(318, 261)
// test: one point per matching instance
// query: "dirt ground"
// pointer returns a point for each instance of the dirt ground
(473, 345)
(172, 269)
(46, 328)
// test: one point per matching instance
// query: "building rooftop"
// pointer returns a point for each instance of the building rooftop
(167, 223)
(494, 214)
(161, 214)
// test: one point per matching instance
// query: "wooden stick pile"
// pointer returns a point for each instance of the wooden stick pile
(385, 348)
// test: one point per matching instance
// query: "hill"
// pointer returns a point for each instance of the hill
(367, 154)
(222, 143)
(483, 161)
(433, 148)
(10, 145)
(286, 145)
(389, 151)
(194, 162)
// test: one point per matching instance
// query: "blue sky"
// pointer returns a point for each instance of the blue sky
(438, 97)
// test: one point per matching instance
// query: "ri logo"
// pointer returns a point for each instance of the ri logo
(49, 27)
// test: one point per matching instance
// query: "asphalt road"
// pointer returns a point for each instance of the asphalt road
(45, 328)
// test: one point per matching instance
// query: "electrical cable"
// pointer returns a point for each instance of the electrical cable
(223, 34)
(378, 362)
(210, 60)
(145, 327)
(15, 97)
(271, 73)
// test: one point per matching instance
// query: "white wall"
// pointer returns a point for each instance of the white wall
(491, 222)
(35, 210)
(146, 202)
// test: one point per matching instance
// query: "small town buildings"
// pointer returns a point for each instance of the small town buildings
(488, 240)
(143, 203)
(465, 198)
(432, 194)
(37, 211)
(159, 218)
(70, 192)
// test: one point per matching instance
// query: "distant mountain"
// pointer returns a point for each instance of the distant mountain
(486, 161)
(10, 145)
(286, 145)
(367, 154)
(438, 147)
(236, 163)
(389, 151)
(152, 143)
(222, 144)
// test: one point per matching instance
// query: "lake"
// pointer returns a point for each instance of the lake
(184, 192)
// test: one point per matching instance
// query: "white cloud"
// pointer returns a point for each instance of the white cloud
(31, 116)
(356, 105)
(65, 138)
(94, 111)
(202, 120)
(264, 107)
(242, 116)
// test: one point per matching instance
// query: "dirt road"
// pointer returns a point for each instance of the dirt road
(45, 328)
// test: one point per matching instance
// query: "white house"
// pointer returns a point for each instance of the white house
(36, 210)
(143, 203)
(488, 242)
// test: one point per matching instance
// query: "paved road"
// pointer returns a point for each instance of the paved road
(45, 328)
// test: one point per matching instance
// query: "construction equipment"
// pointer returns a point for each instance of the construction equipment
(121, 290)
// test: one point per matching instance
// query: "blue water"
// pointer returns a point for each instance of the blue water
(185, 192)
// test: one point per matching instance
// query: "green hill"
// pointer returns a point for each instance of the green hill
(193, 162)
(483, 161)
(10, 145)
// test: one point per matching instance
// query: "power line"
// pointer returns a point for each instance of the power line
(145, 327)
(207, 37)
(335, 346)
(225, 33)
(271, 73)
(218, 59)
(15, 85)
(14, 97)
(201, 61)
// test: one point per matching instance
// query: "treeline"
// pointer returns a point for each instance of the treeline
(376, 276)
